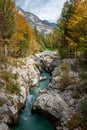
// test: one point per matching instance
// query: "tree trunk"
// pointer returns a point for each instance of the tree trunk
(6, 51)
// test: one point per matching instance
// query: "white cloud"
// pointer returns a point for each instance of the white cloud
(45, 9)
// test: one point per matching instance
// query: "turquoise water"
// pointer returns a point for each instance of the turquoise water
(29, 121)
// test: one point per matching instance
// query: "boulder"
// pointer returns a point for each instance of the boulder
(4, 127)
(53, 107)
(43, 78)
(47, 60)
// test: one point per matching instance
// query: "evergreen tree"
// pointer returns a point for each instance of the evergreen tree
(67, 12)
(6, 22)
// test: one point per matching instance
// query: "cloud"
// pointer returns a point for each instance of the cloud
(45, 9)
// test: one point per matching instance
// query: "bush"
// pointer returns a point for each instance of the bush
(83, 63)
(6, 75)
(63, 53)
(83, 75)
(13, 87)
(84, 107)
(15, 76)
(65, 81)
(77, 121)
(65, 68)
(1, 102)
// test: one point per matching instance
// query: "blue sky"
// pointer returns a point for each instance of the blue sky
(45, 9)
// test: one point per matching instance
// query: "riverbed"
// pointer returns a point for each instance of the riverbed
(29, 121)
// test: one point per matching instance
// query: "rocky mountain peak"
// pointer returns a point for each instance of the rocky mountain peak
(43, 27)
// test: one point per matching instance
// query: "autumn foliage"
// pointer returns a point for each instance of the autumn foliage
(77, 27)
(17, 38)
(71, 34)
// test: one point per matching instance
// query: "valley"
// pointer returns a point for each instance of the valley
(43, 66)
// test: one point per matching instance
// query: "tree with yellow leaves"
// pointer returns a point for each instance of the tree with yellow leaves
(77, 26)
(20, 38)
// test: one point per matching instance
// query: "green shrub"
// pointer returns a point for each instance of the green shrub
(63, 53)
(6, 75)
(83, 63)
(1, 102)
(17, 63)
(84, 106)
(21, 63)
(35, 67)
(76, 121)
(65, 68)
(13, 87)
(65, 81)
(15, 76)
(76, 94)
(83, 75)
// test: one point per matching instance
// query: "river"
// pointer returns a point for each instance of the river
(29, 121)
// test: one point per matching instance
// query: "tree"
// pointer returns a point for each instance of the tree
(61, 33)
(77, 27)
(20, 38)
(6, 22)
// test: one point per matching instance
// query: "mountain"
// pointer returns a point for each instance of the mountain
(50, 24)
(43, 27)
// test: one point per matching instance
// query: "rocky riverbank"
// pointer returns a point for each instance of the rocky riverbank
(27, 75)
(62, 101)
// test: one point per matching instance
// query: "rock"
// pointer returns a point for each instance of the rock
(56, 103)
(64, 128)
(52, 107)
(47, 60)
(43, 91)
(43, 78)
(79, 128)
(70, 61)
(4, 127)
(59, 128)
(28, 73)
(27, 76)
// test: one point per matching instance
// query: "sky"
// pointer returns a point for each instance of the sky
(45, 9)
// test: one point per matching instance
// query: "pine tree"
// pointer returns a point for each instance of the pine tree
(6, 22)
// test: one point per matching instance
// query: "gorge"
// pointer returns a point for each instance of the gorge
(28, 76)
(31, 121)
(54, 101)
(43, 68)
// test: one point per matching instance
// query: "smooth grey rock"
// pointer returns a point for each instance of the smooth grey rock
(4, 127)
(51, 106)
